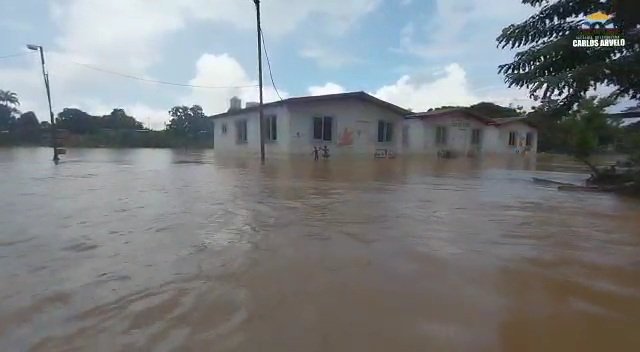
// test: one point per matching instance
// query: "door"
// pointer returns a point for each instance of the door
(362, 136)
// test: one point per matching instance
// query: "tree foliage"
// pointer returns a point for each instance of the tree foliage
(188, 121)
(588, 127)
(550, 67)
(9, 98)
(8, 109)
(27, 127)
(487, 109)
(118, 119)
(80, 122)
(495, 111)
(77, 121)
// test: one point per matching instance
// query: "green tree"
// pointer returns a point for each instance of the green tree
(550, 67)
(188, 121)
(495, 111)
(28, 120)
(77, 121)
(8, 109)
(487, 109)
(446, 107)
(118, 120)
(552, 133)
(589, 128)
(27, 127)
(9, 98)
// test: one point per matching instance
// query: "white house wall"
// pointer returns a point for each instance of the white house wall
(416, 136)
(459, 129)
(521, 130)
(227, 142)
(493, 140)
(353, 116)
(360, 120)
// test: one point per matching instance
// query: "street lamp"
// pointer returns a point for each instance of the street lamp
(45, 75)
(261, 112)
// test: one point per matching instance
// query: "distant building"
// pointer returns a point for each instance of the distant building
(359, 124)
(348, 124)
(464, 133)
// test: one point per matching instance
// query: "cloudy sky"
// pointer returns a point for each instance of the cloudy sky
(415, 53)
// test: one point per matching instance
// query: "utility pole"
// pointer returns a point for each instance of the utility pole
(261, 111)
(46, 84)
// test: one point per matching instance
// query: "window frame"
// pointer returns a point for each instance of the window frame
(512, 142)
(442, 138)
(271, 128)
(385, 135)
(223, 128)
(323, 132)
(476, 136)
(529, 139)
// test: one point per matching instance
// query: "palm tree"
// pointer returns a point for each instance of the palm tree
(9, 98)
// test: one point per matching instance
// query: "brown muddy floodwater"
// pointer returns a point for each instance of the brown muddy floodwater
(160, 250)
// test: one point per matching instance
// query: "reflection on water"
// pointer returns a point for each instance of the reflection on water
(122, 250)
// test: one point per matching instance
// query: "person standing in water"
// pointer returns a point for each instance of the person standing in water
(315, 153)
(325, 152)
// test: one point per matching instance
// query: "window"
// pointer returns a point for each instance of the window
(385, 131)
(475, 136)
(529, 139)
(512, 138)
(441, 135)
(271, 128)
(323, 128)
(241, 132)
(224, 128)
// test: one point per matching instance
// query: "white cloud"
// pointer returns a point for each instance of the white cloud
(150, 117)
(223, 70)
(329, 88)
(129, 36)
(328, 58)
(451, 88)
(461, 26)
(130, 33)
(283, 16)
(14, 25)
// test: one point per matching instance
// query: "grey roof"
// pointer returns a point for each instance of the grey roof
(466, 111)
(506, 120)
(436, 113)
(298, 100)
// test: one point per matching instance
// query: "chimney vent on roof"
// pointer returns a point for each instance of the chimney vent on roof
(235, 104)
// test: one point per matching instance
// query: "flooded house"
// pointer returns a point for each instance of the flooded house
(461, 132)
(353, 123)
(357, 123)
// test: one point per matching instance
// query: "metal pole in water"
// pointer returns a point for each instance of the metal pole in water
(261, 112)
(45, 75)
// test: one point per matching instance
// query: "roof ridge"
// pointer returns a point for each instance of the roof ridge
(354, 94)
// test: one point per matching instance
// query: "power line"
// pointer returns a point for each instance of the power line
(266, 54)
(124, 75)
(15, 55)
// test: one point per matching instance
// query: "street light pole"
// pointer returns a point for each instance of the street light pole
(45, 75)
(261, 111)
